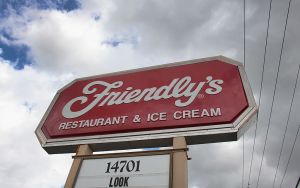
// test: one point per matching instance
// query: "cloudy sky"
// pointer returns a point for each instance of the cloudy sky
(46, 44)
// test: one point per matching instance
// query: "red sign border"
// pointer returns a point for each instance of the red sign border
(158, 138)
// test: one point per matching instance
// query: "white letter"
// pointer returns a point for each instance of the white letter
(62, 126)
(191, 94)
(216, 88)
(180, 86)
(163, 91)
(68, 113)
(215, 112)
(177, 115)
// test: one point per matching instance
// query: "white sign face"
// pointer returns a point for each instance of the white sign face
(135, 172)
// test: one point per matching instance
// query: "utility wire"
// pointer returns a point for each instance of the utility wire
(260, 90)
(243, 162)
(244, 34)
(287, 165)
(298, 182)
(243, 176)
(286, 127)
(274, 92)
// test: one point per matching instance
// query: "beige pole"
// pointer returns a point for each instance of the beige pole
(180, 176)
(81, 150)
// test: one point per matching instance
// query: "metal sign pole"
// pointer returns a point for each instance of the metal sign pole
(81, 150)
(180, 176)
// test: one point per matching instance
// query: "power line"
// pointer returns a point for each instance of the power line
(245, 34)
(286, 127)
(260, 90)
(274, 92)
(243, 176)
(298, 182)
(243, 161)
(290, 156)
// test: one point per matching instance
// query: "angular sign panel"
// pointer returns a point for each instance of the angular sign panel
(206, 100)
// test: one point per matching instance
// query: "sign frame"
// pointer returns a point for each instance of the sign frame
(169, 152)
(155, 138)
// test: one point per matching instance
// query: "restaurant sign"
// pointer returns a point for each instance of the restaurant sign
(205, 100)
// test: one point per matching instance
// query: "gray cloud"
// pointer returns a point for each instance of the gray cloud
(165, 31)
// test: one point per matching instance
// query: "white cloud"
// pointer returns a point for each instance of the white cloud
(23, 162)
(73, 41)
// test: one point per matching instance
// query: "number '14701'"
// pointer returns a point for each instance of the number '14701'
(123, 166)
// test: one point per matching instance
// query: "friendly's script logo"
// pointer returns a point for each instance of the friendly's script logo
(178, 88)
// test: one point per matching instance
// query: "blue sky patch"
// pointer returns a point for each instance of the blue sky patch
(16, 5)
(151, 149)
(116, 40)
(17, 54)
(4, 32)
(113, 42)
(97, 17)
(28, 105)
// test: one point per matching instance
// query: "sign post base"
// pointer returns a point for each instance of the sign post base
(81, 150)
(180, 175)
